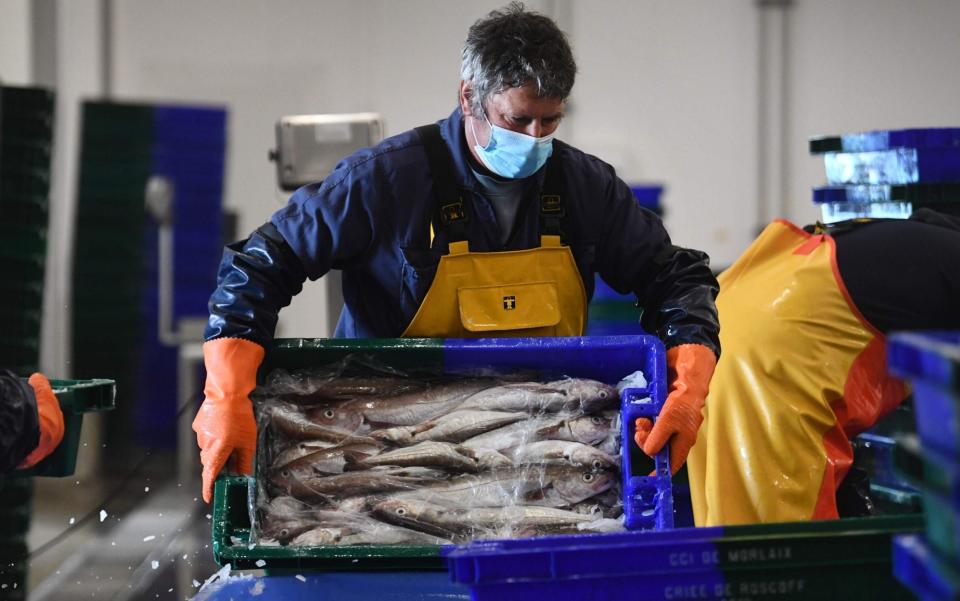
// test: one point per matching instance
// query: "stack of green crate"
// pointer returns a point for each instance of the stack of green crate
(26, 136)
(108, 270)
(26, 132)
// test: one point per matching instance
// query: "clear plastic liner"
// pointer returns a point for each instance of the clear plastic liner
(385, 458)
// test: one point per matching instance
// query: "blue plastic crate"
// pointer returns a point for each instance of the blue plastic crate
(879, 452)
(805, 560)
(922, 571)
(933, 357)
(885, 139)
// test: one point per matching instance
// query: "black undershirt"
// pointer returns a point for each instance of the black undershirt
(903, 274)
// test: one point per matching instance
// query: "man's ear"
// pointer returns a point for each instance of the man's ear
(466, 95)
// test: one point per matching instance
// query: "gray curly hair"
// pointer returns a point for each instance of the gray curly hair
(512, 47)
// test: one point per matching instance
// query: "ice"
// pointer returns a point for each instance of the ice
(260, 563)
(257, 589)
(195, 583)
(147, 539)
(72, 520)
(300, 578)
(146, 489)
(154, 564)
(103, 515)
(634, 380)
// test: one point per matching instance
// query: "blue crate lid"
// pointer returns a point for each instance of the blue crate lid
(893, 166)
(930, 356)
(922, 571)
(885, 139)
(921, 194)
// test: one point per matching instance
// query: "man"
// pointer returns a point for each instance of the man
(805, 317)
(481, 225)
(31, 422)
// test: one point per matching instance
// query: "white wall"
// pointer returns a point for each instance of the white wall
(267, 59)
(869, 64)
(15, 42)
(667, 90)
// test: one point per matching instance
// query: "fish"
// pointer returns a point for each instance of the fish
(284, 531)
(288, 421)
(550, 485)
(569, 485)
(389, 534)
(322, 488)
(457, 523)
(427, 454)
(319, 536)
(570, 394)
(335, 415)
(298, 450)
(342, 388)
(587, 429)
(331, 460)
(452, 427)
(561, 451)
(285, 507)
(416, 407)
(486, 459)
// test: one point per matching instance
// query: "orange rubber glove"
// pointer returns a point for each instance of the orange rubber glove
(50, 418)
(225, 425)
(691, 367)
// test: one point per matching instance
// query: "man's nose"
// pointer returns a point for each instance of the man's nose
(535, 128)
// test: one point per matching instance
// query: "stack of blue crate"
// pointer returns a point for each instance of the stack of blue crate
(887, 173)
(930, 564)
(115, 296)
(189, 146)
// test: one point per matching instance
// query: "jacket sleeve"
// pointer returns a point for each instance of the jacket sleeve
(322, 227)
(674, 286)
(19, 424)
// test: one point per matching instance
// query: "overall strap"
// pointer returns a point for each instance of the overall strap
(552, 209)
(451, 206)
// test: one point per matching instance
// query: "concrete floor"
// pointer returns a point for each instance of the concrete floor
(152, 542)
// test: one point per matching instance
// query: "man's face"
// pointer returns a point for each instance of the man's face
(516, 109)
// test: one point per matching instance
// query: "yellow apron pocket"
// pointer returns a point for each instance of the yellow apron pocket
(509, 307)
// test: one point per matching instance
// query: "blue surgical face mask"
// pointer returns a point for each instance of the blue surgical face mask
(512, 154)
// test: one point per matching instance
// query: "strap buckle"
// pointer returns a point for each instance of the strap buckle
(453, 212)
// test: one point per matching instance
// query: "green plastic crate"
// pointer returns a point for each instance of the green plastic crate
(76, 397)
(231, 535)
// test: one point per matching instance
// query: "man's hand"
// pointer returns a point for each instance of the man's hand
(225, 425)
(691, 367)
(50, 418)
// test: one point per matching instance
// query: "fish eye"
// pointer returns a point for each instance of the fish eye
(401, 511)
(284, 533)
(329, 413)
(597, 464)
(603, 394)
(588, 477)
(285, 473)
(596, 420)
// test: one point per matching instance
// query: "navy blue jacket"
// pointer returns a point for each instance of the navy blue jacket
(19, 421)
(371, 219)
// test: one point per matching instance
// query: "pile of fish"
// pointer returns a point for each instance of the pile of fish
(393, 460)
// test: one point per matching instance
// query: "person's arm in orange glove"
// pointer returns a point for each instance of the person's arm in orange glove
(225, 426)
(51, 421)
(691, 367)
